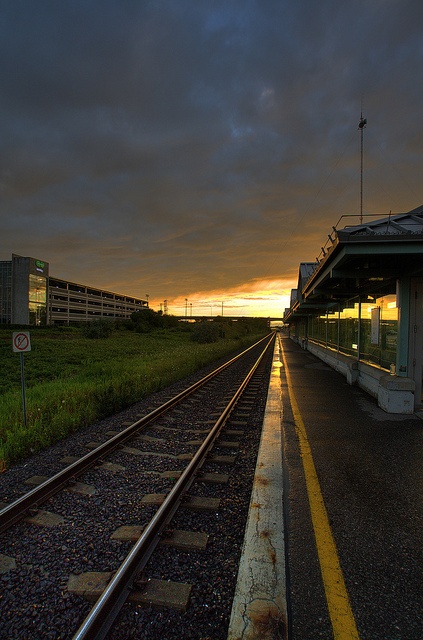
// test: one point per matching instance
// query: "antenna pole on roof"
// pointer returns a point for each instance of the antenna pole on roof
(361, 126)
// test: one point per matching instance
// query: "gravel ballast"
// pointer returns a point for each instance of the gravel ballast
(35, 602)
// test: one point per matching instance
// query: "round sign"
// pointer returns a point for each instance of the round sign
(21, 341)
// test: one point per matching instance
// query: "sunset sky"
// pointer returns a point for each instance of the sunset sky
(198, 150)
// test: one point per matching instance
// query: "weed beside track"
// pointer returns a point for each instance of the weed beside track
(72, 380)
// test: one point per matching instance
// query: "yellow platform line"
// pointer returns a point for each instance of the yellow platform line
(340, 613)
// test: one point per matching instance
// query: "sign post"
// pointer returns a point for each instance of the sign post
(22, 343)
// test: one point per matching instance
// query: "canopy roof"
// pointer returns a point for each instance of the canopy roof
(391, 228)
(364, 259)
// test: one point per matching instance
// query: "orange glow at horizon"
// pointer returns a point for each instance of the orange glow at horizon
(262, 298)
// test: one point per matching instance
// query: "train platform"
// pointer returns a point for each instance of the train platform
(333, 544)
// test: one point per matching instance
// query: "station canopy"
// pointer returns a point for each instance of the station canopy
(361, 260)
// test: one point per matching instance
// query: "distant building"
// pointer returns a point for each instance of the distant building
(359, 308)
(29, 296)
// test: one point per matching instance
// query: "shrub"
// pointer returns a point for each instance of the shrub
(147, 319)
(205, 333)
(97, 329)
(142, 327)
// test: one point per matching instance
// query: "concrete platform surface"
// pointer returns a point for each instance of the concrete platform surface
(333, 544)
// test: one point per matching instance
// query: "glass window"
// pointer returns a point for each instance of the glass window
(37, 300)
(379, 331)
(332, 330)
(348, 327)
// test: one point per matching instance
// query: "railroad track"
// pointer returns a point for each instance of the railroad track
(165, 452)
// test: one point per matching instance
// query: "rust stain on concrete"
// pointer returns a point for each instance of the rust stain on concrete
(267, 621)
(261, 481)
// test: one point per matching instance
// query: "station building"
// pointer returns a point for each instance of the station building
(359, 308)
(30, 296)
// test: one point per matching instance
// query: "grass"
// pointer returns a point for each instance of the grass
(71, 380)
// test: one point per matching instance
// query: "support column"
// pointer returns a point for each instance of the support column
(396, 392)
(403, 301)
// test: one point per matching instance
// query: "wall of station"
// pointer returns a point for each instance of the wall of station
(369, 343)
(366, 330)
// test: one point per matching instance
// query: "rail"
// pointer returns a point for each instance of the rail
(103, 614)
(33, 499)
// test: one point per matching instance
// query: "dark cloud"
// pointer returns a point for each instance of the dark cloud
(189, 146)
